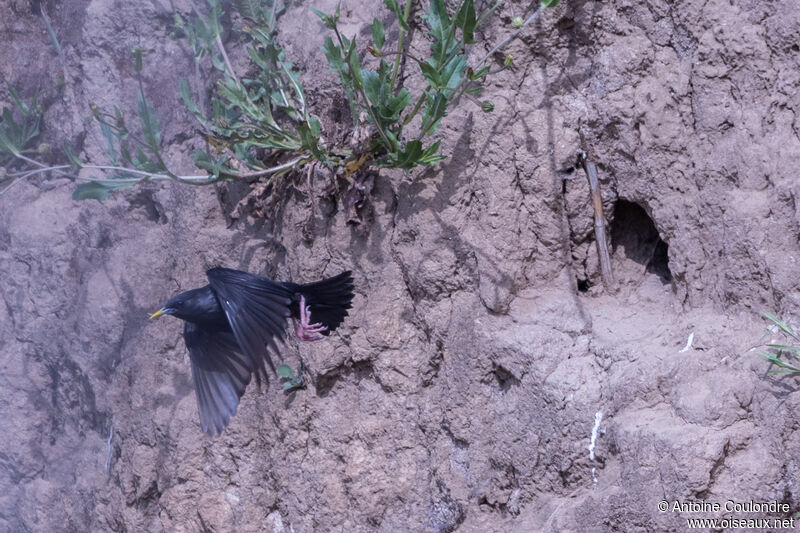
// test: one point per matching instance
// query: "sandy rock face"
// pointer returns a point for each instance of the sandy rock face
(462, 392)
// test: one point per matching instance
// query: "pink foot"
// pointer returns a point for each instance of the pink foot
(305, 330)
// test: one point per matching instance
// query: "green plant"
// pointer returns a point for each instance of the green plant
(16, 137)
(378, 94)
(133, 157)
(290, 380)
(260, 126)
(791, 364)
(258, 118)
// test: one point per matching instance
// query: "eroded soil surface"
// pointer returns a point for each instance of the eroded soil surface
(462, 392)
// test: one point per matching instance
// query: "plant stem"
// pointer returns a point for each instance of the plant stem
(461, 87)
(231, 72)
(510, 38)
(146, 176)
(50, 29)
(11, 185)
(401, 53)
(271, 170)
(358, 86)
(396, 68)
(389, 145)
(414, 111)
(488, 12)
(599, 222)
(228, 65)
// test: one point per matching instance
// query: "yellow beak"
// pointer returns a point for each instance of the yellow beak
(157, 314)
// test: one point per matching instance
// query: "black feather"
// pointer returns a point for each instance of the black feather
(328, 299)
(256, 308)
(219, 372)
(230, 323)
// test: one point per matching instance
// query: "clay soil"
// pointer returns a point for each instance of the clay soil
(462, 392)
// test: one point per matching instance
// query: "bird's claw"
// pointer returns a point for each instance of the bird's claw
(305, 330)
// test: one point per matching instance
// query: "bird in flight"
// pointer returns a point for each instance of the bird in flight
(229, 323)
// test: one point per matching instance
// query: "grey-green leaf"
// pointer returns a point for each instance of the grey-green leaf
(397, 10)
(285, 371)
(73, 159)
(378, 34)
(466, 20)
(98, 190)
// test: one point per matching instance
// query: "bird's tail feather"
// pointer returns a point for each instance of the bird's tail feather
(329, 299)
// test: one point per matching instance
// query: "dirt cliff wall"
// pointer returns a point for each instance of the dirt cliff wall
(462, 392)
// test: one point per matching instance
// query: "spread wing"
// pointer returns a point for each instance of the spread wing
(220, 371)
(257, 309)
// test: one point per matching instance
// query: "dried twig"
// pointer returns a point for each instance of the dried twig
(599, 221)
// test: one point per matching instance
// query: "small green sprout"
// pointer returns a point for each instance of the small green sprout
(292, 381)
(790, 365)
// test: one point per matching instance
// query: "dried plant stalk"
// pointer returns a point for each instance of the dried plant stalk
(599, 221)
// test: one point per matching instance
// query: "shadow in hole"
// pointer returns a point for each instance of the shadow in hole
(634, 232)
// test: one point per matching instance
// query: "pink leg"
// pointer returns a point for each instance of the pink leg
(307, 331)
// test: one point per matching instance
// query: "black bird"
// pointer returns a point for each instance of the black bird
(230, 322)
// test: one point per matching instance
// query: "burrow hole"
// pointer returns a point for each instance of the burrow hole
(635, 237)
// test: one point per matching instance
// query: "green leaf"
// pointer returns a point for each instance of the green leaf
(408, 158)
(438, 100)
(259, 11)
(413, 155)
(16, 137)
(466, 20)
(137, 59)
(783, 326)
(309, 133)
(475, 90)
(285, 371)
(429, 156)
(333, 54)
(7, 144)
(440, 30)
(372, 87)
(355, 65)
(73, 159)
(329, 21)
(378, 34)
(23, 107)
(150, 130)
(98, 190)
(314, 125)
(386, 106)
(430, 73)
(397, 10)
(186, 96)
(550, 3)
(784, 347)
(108, 133)
(210, 164)
(249, 9)
(479, 74)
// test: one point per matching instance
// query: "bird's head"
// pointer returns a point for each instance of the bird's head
(186, 305)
